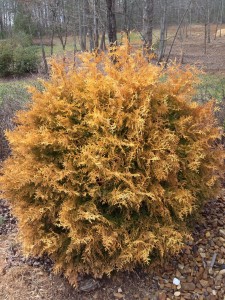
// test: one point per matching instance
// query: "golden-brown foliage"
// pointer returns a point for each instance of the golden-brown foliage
(109, 162)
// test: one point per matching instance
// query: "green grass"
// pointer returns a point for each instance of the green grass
(211, 87)
(57, 48)
(135, 39)
(16, 90)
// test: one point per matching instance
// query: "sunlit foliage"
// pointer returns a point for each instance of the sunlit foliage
(109, 162)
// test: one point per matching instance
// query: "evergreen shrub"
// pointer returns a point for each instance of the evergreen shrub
(109, 162)
(18, 57)
(6, 58)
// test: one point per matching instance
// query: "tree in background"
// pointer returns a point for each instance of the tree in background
(163, 29)
(111, 21)
(23, 21)
(89, 20)
(148, 9)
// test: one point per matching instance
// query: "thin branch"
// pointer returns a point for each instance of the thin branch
(175, 36)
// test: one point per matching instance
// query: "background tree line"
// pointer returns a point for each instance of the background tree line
(94, 23)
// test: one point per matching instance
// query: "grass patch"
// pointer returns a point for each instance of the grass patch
(17, 90)
(13, 91)
(211, 87)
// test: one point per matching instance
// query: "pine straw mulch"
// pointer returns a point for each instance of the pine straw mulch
(200, 267)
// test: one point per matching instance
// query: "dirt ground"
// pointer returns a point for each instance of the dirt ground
(200, 268)
(190, 48)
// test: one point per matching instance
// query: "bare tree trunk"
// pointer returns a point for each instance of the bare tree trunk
(74, 32)
(186, 30)
(111, 20)
(96, 33)
(181, 21)
(62, 24)
(162, 42)
(102, 43)
(205, 39)
(217, 23)
(43, 51)
(126, 26)
(74, 45)
(53, 13)
(89, 25)
(52, 40)
(1, 26)
(39, 32)
(221, 21)
(208, 22)
(190, 20)
(63, 42)
(82, 27)
(148, 10)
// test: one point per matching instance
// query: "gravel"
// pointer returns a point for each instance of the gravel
(199, 268)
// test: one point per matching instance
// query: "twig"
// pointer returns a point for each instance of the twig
(175, 36)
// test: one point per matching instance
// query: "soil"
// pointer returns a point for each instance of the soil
(199, 268)
(189, 48)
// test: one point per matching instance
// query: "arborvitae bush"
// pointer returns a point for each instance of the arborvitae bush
(109, 162)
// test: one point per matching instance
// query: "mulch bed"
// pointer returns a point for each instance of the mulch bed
(200, 268)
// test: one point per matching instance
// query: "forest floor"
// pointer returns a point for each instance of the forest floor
(189, 48)
(200, 268)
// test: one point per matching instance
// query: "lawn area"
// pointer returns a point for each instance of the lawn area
(13, 90)
(211, 86)
(135, 40)
(16, 89)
